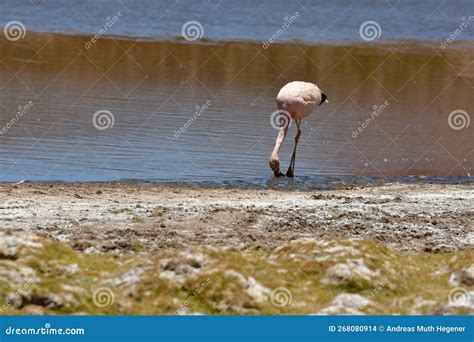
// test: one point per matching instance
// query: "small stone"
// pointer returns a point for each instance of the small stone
(19, 277)
(463, 277)
(467, 276)
(10, 244)
(70, 269)
(258, 292)
(353, 273)
(340, 310)
(350, 300)
(47, 300)
(345, 304)
(35, 310)
(253, 288)
(129, 278)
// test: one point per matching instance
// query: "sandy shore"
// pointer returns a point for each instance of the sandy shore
(124, 216)
(124, 248)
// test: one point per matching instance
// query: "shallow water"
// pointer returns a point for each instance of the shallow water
(154, 88)
(200, 111)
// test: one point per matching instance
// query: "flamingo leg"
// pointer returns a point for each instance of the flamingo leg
(291, 168)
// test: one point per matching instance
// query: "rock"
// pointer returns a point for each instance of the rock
(20, 299)
(419, 304)
(346, 304)
(91, 250)
(463, 277)
(129, 280)
(353, 273)
(69, 300)
(35, 310)
(459, 300)
(258, 292)
(70, 269)
(187, 265)
(178, 273)
(47, 300)
(339, 251)
(350, 300)
(340, 310)
(197, 260)
(451, 310)
(74, 289)
(253, 288)
(195, 313)
(18, 276)
(11, 243)
(185, 312)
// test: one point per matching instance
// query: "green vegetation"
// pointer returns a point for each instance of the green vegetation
(46, 276)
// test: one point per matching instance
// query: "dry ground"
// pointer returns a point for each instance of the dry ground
(125, 248)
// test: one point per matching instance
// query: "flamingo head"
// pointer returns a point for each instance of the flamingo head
(275, 166)
(324, 98)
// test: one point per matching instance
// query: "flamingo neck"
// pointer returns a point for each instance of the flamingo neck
(279, 141)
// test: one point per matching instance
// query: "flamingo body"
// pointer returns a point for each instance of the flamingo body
(297, 99)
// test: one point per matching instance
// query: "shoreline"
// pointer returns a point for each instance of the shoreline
(300, 183)
(406, 217)
(457, 44)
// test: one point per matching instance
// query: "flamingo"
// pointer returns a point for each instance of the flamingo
(295, 101)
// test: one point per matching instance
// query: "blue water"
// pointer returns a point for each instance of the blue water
(332, 22)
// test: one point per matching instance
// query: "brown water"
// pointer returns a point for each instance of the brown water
(153, 90)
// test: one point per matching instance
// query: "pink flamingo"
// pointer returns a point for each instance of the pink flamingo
(296, 100)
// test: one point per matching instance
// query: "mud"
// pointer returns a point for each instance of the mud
(124, 217)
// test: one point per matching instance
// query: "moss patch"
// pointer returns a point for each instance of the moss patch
(297, 278)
